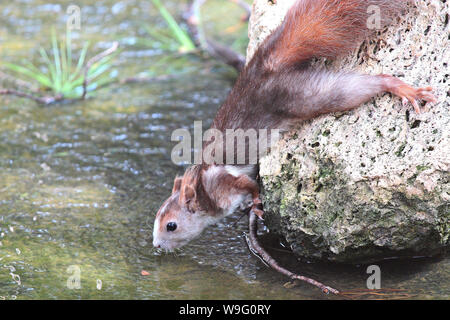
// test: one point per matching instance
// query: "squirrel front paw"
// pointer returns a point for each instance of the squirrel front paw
(409, 94)
(257, 208)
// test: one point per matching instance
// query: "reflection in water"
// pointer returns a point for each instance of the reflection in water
(80, 184)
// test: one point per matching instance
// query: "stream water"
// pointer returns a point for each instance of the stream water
(80, 183)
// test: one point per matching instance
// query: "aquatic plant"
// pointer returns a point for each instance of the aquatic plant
(60, 76)
(176, 38)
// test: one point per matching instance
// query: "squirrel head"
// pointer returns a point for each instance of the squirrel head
(183, 217)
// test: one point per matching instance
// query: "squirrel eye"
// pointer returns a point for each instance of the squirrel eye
(171, 226)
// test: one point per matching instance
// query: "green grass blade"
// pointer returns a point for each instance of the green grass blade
(80, 61)
(69, 50)
(30, 66)
(95, 72)
(49, 64)
(57, 62)
(65, 71)
(37, 76)
(182, 37)
(158, 35)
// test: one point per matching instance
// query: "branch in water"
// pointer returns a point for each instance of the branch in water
(93, 60)
(225, 54)
(147, 79)
(41, 100)
(256, 249)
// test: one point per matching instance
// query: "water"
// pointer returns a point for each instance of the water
(80, 183)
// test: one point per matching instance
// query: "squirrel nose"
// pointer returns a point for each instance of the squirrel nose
(156, 244)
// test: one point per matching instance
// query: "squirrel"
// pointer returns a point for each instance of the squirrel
(279, 88)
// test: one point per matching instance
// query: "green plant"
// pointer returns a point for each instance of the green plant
(176, 38)
(60, 75)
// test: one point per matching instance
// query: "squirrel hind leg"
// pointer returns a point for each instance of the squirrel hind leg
(408, 93)
(324, 91)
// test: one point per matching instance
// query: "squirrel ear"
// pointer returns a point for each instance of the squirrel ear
(176, 184)
(189, 193)
(187, 196)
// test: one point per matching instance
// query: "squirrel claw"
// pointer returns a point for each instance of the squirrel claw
(410, 94)
(257, 210)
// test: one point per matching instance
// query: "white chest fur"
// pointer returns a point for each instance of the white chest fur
(238, 202)
(232, 202)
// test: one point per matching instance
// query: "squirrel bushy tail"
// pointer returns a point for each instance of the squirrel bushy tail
(325, 28)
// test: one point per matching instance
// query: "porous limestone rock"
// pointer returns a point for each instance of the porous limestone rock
(374, 182)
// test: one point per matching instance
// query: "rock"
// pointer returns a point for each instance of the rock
(374, 182)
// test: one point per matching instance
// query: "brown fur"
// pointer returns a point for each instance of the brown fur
(192, 192)
(279, 89)
(208, 194)
(323, 28)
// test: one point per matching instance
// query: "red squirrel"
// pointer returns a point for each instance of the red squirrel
(278, 89)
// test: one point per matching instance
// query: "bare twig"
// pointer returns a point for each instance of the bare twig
(93, 60)
(258, 251)
(41, 100)
(147, 79)
(192, 18)
(244, 5)
(256, 248)
(227, 55)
